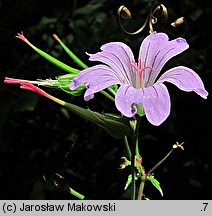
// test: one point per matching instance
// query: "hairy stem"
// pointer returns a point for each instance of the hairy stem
(133, 154)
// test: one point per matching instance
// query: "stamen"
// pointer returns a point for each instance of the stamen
(143, 69)
(133, 64)
(137, 67)
(139, 63)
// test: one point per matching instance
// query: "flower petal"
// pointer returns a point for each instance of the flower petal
(185, 79)
(122, 55)
(96, 78)
(114, 63)
(126, 96)
(156, 103)
(155, 51)
(119, 49)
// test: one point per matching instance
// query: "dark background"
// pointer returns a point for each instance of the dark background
(39, 138)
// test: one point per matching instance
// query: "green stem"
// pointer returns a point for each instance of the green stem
(137, 148)
(107, 95)
(76, 194)
(55, 61)
(133, 168)
(134, 152)
(111, 91)
(127, 146)
(159, 163)
(70, 53)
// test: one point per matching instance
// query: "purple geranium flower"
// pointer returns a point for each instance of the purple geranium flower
(138, 81)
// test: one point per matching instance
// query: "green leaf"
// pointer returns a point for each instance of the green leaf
(116, 126)
(47, 20)
(129, 181)
(88, 8)
(156, 184)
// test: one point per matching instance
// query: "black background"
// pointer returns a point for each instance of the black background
(39, 138)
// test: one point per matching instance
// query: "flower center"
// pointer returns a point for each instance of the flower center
(139, 69)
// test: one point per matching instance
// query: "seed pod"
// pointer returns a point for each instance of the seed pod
(124, 12)
(178, 22)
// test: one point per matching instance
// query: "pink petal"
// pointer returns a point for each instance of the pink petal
(96, 78)
(126, 97)
(155, 51)
(185, 79)
(114, 62)
(156, 103)
(122, 55)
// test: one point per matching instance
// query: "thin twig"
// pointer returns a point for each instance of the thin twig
(127, 147)
(176, 145)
